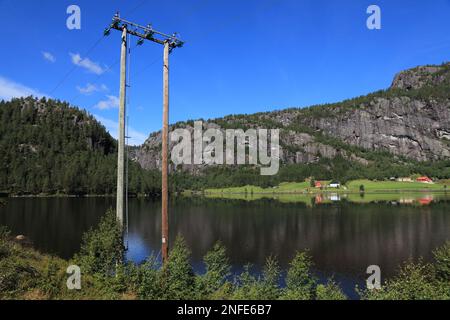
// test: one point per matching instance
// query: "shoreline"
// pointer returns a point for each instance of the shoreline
(219, 192)
(43, 196)
(324, 192)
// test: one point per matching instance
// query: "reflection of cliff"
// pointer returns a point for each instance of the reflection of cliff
(342, 237)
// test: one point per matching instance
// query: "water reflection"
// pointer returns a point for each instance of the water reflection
(343, 237)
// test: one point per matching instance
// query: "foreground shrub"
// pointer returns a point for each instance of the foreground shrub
(250, 287)
(149, 280)
(178, 279)
(247, 286)
(26, 273)
(102, 248)
(442, 262)
(270, 287)
(214, 284)
(5, 245)
(329, 291)
(300, 282)
(415, 281)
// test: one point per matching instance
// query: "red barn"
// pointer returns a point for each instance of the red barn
(424, 179)
(426, 200)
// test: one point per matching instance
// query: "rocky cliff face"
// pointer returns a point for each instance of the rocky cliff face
(415, 128)
(420, 77)
(411, 119)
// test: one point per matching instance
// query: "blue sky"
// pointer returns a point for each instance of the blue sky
(241, 56)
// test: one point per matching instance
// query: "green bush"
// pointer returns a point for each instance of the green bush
(149, 280)
(52, 279)
(217, 271)
(5, 245)
(270, 283)
(329, 291)
(300, 282)
(415, 281)
(102, 249)
(442, 262)
(178, 279)
(247, 285)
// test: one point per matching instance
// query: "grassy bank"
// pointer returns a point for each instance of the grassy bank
(27, 274)
(350, 187)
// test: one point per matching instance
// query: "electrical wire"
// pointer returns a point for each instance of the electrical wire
(74, 67)
(89, 51)
(136, 7)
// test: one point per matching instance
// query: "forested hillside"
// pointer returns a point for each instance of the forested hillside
(46, 146)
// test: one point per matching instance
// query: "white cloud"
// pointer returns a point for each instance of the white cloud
(91, 88)
(48, 56)
(87, 64)
(10, 89)
(136, 138)
(110, 103)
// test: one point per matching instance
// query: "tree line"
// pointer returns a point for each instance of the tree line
(47, 146)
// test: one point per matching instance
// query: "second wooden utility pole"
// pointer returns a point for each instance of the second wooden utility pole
(165, 156)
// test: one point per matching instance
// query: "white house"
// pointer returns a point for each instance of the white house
(334, 185)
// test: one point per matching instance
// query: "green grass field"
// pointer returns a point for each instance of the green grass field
(393, 186)
(287, 187)
(350, 187)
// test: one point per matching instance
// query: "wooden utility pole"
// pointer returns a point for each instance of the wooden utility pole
(165, 156)
(170, 42)
(121, 152)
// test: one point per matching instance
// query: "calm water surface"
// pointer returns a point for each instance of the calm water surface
(343, 238)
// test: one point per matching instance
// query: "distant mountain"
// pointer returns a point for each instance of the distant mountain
(406, 126)
(48, 146)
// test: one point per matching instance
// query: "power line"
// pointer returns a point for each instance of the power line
(90, 50)
(141, 71)
(129, 12)
(98, 77)
(240, 16)
(74, 67)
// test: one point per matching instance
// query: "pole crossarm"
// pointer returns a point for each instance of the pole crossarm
(144, 32)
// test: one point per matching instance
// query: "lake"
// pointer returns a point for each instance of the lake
(344, 236)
